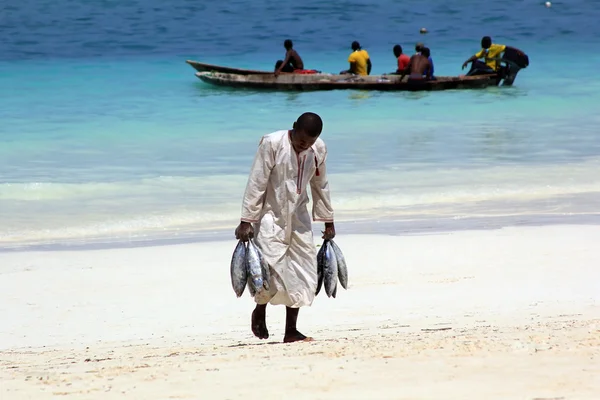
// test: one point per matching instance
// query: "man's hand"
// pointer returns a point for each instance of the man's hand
(244, 231)
(277, 73)
(329, 232)
(465, 64)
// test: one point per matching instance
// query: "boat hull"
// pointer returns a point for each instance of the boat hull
(316, 82)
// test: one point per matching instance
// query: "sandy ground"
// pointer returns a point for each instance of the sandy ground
(501, 314)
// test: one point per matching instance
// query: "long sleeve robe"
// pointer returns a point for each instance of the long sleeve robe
(275, 201)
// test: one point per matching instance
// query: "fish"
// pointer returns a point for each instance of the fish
(341, 264)
(251, 288)
(254, 269)
(239, 274)
(266, 272)
(320, 263)
(330, 273)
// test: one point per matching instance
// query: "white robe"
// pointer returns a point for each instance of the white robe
(276, 201)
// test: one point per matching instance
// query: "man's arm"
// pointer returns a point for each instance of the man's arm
(352, 61)
(352, 67)
(322, 211)
(255, 189)
(285, 62)
(474, 57)
(369, 66)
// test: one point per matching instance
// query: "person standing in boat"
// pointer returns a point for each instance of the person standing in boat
(402, 58)
(287, 164)
(360, 62)
(292, 60)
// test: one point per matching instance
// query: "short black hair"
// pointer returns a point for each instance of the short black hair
(425, 51)
(486, 42)
(397, 50)
(288, 44)
(355, 45)
(310, 123)
(419, 46)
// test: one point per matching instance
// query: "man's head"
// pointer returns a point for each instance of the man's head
(306, 131)
(486, 42)
(288, 44)
(397, 50)
(355, 45)
(425, 52)
(419, 47)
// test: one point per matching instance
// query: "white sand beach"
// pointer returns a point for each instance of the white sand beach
(503, 314)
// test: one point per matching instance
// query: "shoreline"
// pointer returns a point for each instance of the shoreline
(384, 226)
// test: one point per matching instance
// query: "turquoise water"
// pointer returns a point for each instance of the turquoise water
(107, 135)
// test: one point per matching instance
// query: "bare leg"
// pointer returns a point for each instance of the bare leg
(291, 333)
(259, 323)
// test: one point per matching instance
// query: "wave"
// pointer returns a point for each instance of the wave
(178, 206)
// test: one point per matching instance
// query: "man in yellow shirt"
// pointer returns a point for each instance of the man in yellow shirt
(360, 63)
(490, 52)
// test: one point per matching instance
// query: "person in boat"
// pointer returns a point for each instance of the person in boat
(292, 60)
(493, 54)
(360, 62)
(418, 47)
(274, 212)
(425, 51)
(402, 59)
(418, 69)
(490, 53)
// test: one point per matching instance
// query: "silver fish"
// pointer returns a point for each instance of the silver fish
(239, 275)
(266, 272)
(251, 287)
(330, 273)
(254, 268)
(341, 264)
(320, 266)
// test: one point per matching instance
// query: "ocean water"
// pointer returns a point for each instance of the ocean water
(107, 136)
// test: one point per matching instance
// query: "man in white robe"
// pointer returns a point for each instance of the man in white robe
(274, 211)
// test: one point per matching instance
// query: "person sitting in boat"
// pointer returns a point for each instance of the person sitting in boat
(360, 62)
(419, 69)
(425, 51)
(402, 58)
(418, 47)
(292, 60)
(491, 53)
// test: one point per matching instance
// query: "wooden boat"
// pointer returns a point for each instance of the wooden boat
(295, 82)
(203, 67)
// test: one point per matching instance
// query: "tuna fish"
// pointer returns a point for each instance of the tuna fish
(266, 272)
(320, 265)
(254, 269)
(341, 264)
(330, 271)
(239, 274)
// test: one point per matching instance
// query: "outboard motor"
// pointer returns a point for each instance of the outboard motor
(515, 60)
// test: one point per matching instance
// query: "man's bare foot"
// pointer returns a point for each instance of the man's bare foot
(259, 323)
(296, 337)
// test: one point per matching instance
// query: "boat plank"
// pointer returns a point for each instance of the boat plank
(204, 67)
